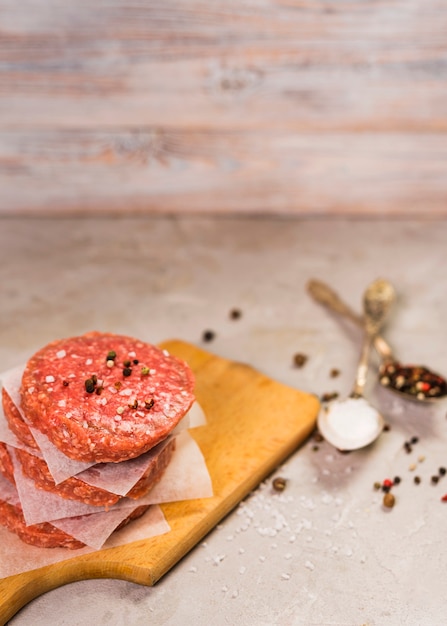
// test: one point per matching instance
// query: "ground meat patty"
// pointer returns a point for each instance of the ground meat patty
(76, 489)
(15, 421)
(103, 397)
(46, 535)
(6, 466)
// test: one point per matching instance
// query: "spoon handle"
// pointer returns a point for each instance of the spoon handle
(325, 295)
(377, 302)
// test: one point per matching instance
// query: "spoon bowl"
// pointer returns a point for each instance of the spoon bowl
(350, 424)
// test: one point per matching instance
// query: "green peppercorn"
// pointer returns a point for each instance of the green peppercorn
(89, 385)
(111, 355)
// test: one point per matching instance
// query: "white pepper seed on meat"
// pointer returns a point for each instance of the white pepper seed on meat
(120, 410)
(110, 363)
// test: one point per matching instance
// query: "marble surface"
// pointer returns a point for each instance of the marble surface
(324, 551)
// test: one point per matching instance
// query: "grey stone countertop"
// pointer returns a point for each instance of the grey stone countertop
(324, 551)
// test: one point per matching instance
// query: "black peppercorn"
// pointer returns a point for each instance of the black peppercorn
(89, 385)
(208, 335)
(127, 371)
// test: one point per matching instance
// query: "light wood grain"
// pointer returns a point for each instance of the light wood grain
(253, 424)
(223, 106)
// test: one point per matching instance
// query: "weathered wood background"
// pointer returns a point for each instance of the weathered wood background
(302, 107)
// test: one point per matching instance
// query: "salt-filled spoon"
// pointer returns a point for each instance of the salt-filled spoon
(354, 423)
(412, 382)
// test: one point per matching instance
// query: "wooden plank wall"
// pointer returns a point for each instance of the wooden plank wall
(307, 107)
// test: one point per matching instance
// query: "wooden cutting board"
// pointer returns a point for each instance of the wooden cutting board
(253, 424)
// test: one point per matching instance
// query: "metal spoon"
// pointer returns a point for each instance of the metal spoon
(354, 423)
(412, 382)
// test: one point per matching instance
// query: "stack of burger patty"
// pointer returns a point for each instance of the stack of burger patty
(99, 399)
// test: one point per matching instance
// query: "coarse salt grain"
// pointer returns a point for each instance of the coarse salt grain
(30, 389)
(61, 403)
(60, 354)
(49, 379)
(309, 565)
(88, 361)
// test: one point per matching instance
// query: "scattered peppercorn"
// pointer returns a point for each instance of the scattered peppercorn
(148, 404)
(334, 372)
(135, 361)
(299, 359)
(389, 500)
(377, 485)
(208, 335)
(235, 314)
(414, 440)
(279, 483)
(98, 390)
(144, 371)
(111, 355)
(65, 383)
(442, 471)
(117, 385)
(134, 404)
(126, 363)
(327, 397)
(397, 480)
(435, 479)
(407, 447)
(417, 480)
(127, 371)
(386, 428)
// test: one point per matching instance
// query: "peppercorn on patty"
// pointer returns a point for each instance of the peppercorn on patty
(104, 398)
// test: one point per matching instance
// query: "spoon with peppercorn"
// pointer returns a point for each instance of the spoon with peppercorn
(354, 423)
(412, 382)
